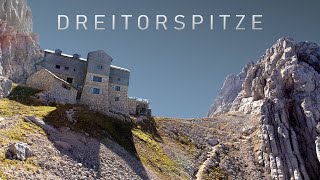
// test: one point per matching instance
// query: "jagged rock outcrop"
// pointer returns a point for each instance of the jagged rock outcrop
(230, 90)
(19, 47)
(283, 89)
(5, 87)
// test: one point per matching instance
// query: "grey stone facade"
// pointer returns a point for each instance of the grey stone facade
(92, 81)
(138, 107)
(57, 89)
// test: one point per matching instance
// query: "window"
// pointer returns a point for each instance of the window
(119, 79)
(116, 88)
(58, 66)
(69, 80)
(66, 68)
(99, 67)
(117, 98)
(97, 79)
(95, 91)
(74, 70)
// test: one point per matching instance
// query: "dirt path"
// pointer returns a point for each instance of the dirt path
(206, 163)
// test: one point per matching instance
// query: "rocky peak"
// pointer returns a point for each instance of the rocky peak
(283, 89)
(19, 45)
(287, 68)
(15, 15)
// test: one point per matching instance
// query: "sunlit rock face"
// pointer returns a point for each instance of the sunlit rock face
(19, 45)
(283, 90)
(15, 14)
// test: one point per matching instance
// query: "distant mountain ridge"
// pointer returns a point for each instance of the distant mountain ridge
(283, 89)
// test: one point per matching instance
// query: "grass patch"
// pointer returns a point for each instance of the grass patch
(185, 144)
(3, 176)
(10, 108)
(215, 173)
(23, 95)
(20, 102)
(152, 155)
(148, 149)
(93, 123)
(19, 131)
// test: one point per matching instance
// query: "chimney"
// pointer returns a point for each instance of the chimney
(58, 51)
(77, 56)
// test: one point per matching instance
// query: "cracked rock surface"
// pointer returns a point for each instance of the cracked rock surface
(19, 46)
(283, 88)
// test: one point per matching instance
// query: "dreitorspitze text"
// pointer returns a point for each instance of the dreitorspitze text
(160, 22)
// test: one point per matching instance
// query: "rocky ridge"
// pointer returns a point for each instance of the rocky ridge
(283, 88)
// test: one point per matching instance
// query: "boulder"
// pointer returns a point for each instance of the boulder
(5, 87)
(212, 141)
(20, 151)
(48, 128)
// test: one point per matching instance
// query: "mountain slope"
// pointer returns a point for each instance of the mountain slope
(78, 143)
(282, 88)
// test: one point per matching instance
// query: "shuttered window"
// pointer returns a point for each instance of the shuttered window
(96, 79)
(96, 91)
(116, 88)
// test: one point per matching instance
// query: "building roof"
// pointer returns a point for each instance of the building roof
(139, 99)
(119, 68)
(65, 55)
(55, 76)
(83, 59)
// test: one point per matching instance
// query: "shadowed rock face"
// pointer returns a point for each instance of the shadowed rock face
(283, 88)
(19, 47)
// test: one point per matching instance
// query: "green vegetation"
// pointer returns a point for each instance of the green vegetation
(142, 140)
(152, 154)
(215, 173)
(21, 102)
(24, 94)
(93, 123)
(3, 176)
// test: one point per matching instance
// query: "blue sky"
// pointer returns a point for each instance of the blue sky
(179, 72)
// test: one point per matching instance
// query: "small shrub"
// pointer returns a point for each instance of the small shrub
(22, 94)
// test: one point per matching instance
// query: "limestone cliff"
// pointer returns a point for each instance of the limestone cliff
(283, 89)
(19, 47)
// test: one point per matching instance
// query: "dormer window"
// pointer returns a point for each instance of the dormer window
(58, 66)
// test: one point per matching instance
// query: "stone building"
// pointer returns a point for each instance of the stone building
(57, 89)
(138, 107)
(92, 81)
